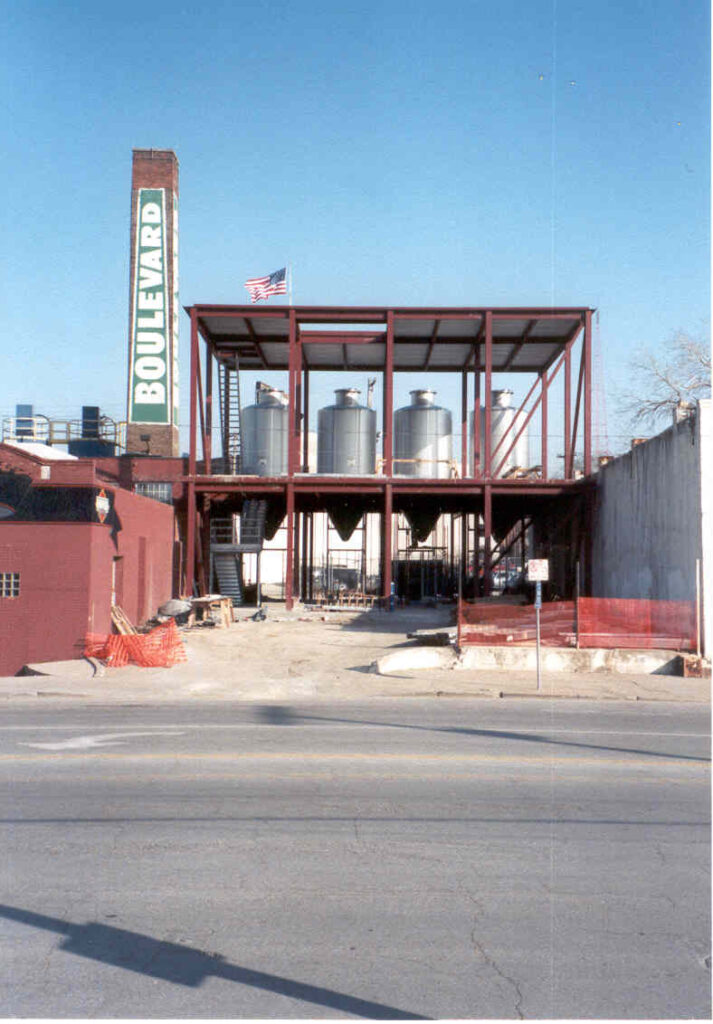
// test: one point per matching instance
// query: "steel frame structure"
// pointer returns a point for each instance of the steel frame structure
(472, 342)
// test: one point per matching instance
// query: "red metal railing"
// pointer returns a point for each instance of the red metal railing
(587, 622)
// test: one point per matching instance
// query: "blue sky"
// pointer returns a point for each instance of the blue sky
(460, 153)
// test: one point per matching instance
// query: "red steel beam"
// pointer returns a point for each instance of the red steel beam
(519, 412)
(256, 343)
(529, 417)
(587, 355)
(575, 425)
(431, 343)
(487, 461)
(518, 347)
(340, 337)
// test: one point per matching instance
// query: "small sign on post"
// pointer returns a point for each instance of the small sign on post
(538, 572)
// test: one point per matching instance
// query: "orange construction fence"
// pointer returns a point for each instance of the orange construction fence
(586, 622)
(162, 647)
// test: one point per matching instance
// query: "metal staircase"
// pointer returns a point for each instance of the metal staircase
(226, 551)
(229, 392)
(226, 559)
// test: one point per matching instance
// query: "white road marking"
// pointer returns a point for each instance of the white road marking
(108, 739)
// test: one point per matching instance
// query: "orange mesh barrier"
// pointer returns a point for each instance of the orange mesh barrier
(162, 647)
(589, 622)
(617, 622)
(515, 624)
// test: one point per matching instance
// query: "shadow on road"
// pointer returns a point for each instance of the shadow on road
(281, 714)
(183, 965)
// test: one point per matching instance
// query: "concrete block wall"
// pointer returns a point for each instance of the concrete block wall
(653, 519)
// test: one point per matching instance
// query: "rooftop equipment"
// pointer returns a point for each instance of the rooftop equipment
(423, 441)
(501, 424)
(264, 430)
(346, 436)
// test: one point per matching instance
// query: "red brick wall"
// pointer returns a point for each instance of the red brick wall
(154, 168)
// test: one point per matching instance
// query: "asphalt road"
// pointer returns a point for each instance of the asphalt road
(385, 859)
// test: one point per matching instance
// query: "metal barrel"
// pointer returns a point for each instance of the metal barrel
(346, 436)
(264, 434)
(423, 438)
(501, 429)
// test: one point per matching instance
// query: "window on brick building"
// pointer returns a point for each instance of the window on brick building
(9, 584)
(159, 490)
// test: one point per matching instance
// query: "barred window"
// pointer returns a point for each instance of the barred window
(159, 490)
(9, 584)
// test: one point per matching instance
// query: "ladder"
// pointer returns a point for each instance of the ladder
(229, 392)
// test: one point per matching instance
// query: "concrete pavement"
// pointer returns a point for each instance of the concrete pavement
(335, 656)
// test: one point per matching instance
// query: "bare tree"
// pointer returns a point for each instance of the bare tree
(678, 372)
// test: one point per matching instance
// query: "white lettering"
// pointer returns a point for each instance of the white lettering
(150, 343)
(151, 258)
(149, 394)
(149, 278)
(151, 300)
(152, 321)
(151, 213)
(150, 367)
(150, 237)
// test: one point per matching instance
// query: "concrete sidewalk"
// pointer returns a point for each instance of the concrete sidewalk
(306, 654)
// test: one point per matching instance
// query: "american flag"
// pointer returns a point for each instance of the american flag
(264, 287)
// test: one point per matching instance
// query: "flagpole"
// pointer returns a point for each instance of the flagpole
(289, 285)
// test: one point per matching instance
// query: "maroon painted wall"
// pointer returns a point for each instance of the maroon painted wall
(66, 578)
(49, 619)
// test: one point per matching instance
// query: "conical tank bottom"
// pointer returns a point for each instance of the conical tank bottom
(422, 523)
(345, 518)
(276, 511)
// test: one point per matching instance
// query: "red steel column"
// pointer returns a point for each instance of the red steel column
(389, 399)
(305, 423)
(567, 413)
(191, 487)
(477, 461)
(488, 529)
(386, 542)
(293, 413)
(587, 356)
(290, 560)
(209, 410)
(543, 385)
(464, 425)
(487, 461)
(297, 557)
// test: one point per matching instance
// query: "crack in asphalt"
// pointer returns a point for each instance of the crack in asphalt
(478, 947)
(501, 974)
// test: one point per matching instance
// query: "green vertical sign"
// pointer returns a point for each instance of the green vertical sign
(150, 399)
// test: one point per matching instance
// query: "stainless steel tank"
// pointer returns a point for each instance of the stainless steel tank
(264, 434)
(501, 429)
(346, 436)
(423, 438)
